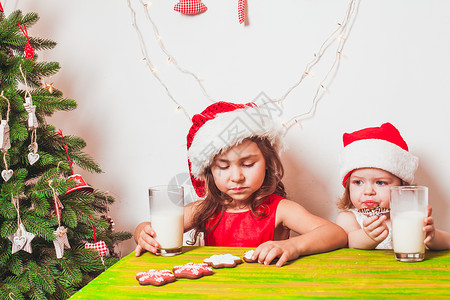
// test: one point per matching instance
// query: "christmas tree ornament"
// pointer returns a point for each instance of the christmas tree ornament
(29, 52)
(190, 7)
(5, 142)
(60, 242)
(106, 216)
(100, 246)
(33, 124)
(80, 184)
(242, 6)
(1, 7)
(31, 110)
(21, 239)
(47, 85)
(7, 174)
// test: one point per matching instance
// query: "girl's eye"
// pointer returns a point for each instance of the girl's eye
(357, 182)
(380, 182)
(222, 167)
(248, 165)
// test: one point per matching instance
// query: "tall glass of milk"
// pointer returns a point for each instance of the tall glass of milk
(408, 211)
(166, 215)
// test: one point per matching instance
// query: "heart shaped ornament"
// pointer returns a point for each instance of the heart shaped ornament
(33, 157)
(7, 174)
(20, 242)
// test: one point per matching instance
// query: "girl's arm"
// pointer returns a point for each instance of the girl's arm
(316, 235)
(375, 230)
(144, 235)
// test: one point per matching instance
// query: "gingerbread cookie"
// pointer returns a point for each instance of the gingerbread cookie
(192, 270)
(223, 261)
(248, 256)
(155, 277)
(378, 211)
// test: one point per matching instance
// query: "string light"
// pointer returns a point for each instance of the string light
(340, 35)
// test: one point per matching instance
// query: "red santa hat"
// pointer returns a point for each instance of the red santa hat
(378, 147)
(222, 125)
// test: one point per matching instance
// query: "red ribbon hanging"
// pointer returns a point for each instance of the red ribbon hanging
(29, 52)
(67, 150)
(1, 7)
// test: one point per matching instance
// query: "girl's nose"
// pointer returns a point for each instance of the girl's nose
(368, 189)
(236, 174)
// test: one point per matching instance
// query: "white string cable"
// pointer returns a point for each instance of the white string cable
(149, 63)
(341, 35)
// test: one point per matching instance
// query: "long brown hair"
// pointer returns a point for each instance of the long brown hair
(215, 201)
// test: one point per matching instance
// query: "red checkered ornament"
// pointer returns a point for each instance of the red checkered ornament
(100, 246)
(190, 7)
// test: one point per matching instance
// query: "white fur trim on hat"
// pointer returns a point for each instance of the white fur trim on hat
(380, 154)
(230, 128)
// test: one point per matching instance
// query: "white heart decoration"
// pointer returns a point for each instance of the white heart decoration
(7, 174)
(32, 158)
(20, 242)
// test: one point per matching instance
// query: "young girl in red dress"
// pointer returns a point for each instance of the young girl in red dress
(236, 170)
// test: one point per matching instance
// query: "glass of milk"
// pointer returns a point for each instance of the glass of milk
(408, 210)
(166, 215)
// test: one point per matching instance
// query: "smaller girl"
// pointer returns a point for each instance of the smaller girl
(236, 170)
(374, 159)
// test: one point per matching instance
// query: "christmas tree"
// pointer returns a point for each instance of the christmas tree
(55, 232)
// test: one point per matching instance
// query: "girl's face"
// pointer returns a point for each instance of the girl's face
(370, 187)
(240, 171)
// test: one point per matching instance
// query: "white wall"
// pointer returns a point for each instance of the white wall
(394, 68)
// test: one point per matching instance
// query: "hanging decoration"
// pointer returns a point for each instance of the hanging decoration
(32, 123)
(80, 183)
(47, 85)
(242, 6)
(21, 239)
(5, 142)
(106, 215)
(29, 52)
(60, 242)
(190, 7)
(100, 246)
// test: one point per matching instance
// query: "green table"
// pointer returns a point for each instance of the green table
(344, 273)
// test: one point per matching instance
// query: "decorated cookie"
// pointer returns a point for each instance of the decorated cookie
(155, 277)
(378, 211)
(223, 261)
(248, 256)
(192, 270)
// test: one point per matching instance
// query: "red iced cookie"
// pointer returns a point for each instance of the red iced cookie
(192, 271)
(155, 277)
(223, 261)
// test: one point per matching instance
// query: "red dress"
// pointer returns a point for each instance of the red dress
(245, 229)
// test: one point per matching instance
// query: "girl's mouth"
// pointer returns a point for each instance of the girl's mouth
(370, 203)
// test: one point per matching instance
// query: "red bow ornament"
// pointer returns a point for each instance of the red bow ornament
(29, 52)
(190, 7)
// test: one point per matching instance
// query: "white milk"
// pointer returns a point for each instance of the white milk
(407, 232)
(169, 230)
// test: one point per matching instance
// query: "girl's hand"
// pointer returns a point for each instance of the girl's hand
(429, 228)
(268, 251)
(144, 236)
(376, 228)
